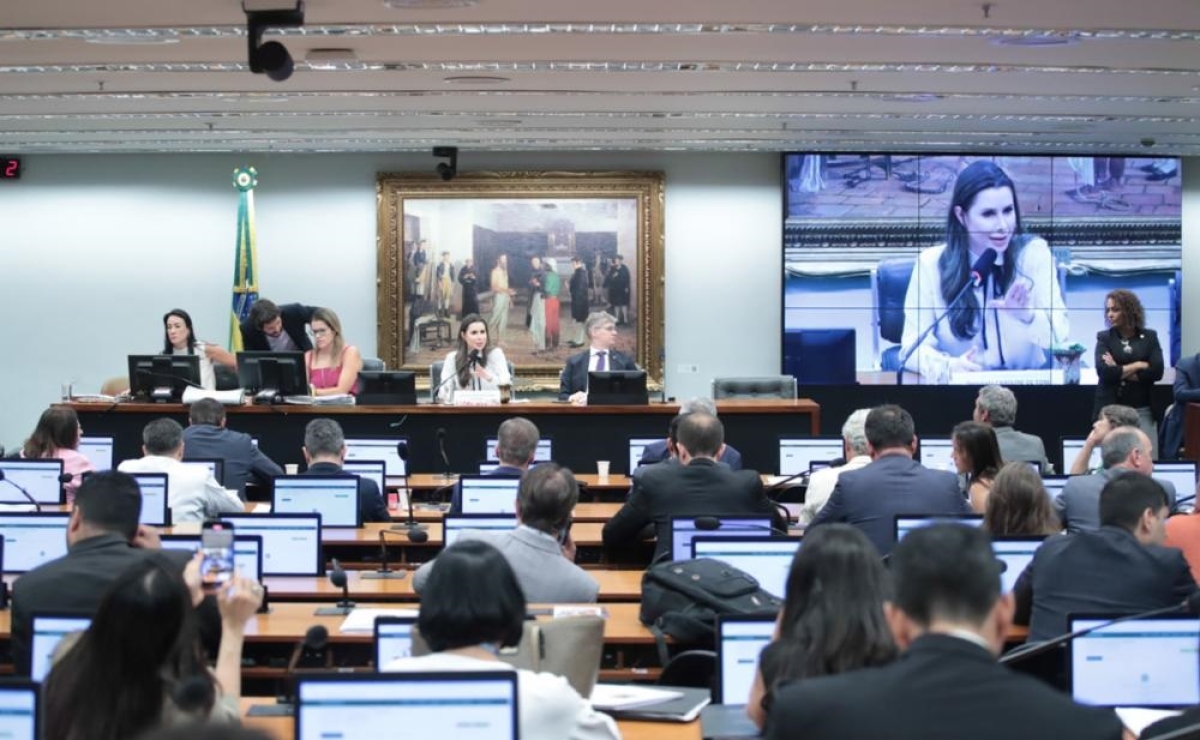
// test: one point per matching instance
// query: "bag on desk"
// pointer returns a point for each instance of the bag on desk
(682, 599)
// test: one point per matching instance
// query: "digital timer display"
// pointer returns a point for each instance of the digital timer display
(10, 168)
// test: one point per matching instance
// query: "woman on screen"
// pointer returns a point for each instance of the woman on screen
(332, 365)
(57, 436)
(475, 365)
(1129, 360)
(1018, 506)
(977, 456)
(179, 338)
(1012, 318)
(471, 608)
(832, 619)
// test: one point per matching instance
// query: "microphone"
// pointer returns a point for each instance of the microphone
(982, 266)
(1190, 605)
(386, 572)
(312, 651)
(412, 525)
(712, 524)
(441, 440)
(28, 497)
(338, 578)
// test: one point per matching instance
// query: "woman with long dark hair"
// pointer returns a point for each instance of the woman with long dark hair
(976, 455)
(476, 363)
(832, 619)
(1129, 360)
(57, 436)
(1015, 313)
(179, 338)
(1018, 506)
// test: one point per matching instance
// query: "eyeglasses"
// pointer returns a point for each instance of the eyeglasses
(321, 332)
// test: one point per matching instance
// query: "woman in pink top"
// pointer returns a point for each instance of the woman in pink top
(57, 436)
(332, 364)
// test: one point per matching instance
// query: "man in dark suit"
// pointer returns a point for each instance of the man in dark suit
(893, 483)
(1124, 451)
(1187, 390)
(601, 330)
(1122, 568)
(207, 437)
(324, 452)
(516, 445)
(277, 328)
(997, 406)
(949, 618)
(103, 540)
(663, 450)
(698, 486)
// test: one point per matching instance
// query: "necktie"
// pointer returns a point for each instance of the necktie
(601, 365)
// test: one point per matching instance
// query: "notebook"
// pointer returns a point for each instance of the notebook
(215, 466)
(937, 453)
(637, 446)
(393, 639)
(247, 551)
(156, 500)
(740, 639)
(1138, 663)
(379, 448)
(1071, 447)
(543, 453)
(453, 526)
(98, 451)
(39, 478)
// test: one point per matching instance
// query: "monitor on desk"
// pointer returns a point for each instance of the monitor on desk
(796, 454)
(541, 454)
(906, 523)
(1139, 663)
(1054, 485)
(41, 479)
(937, 453)
(33, 538)
(1181, 474)
(47, 629)
(1071, 446)
(617, 388)
(291, 543)
(393, 639)
(334, 497)
(163, 377)
(156, 500)
(247, 551)
(685, 528)
(387, 388)
(1016, 553)
(214, 465)
(489, 494)
(637, 448)
(20, 713)
(453, 526)
(767, 559)
(270, 376)
(740, 640)
(98, 451)
(379, 448)
(375, 470)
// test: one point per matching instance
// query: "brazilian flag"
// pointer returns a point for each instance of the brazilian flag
(245, 263)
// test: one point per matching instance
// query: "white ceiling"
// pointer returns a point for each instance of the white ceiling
(691, 74)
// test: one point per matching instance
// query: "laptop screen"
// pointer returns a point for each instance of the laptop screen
(541, 454)
(1139, 663)
(796, 454)
(375, 470)
(637, 445)
(1071, 447)
(906, 524)
(452, 526)
(334, 497)
(215, 467)
(38, 477)
(247, 551)
(1182, 475)
(379, 449)
(739, 641)
(684, 529)
(937, 453)
(19, 710)
(156, 509)
(393, 639)
(1016, 553)
(466, 705)
(1054, 485)
(767, 559)
(98, 451)
(489, 494)
(31, 539)
(291, 543)
(47, 631)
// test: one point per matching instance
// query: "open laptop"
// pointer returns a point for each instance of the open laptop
(375, 470)
(463, 705)
(453, 526)
(1016, 553)
(489, 494)
(247, 551)
(32, 538)
(637, 446)
(214, 465)
(740, 640)
(334, 497)
(1138, 663)
(906, 523)
(156, 500)
(98, 451)
(767, 559)
(379, 448)
(1071, 447)
(543, 453)
(684, 529)
(393, 639)
(1054, 485)
(937, 453)
(796, 454)
(40, 479)
(291, 543)
(20, 714)
(47, 629)
(1181, 473)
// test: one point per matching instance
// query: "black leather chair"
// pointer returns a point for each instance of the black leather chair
(892, 276)
(693, 669)
(226, 377)
(771, 386)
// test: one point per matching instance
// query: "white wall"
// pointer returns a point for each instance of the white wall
(94, 249)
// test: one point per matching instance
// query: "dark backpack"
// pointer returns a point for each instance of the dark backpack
(682, 599)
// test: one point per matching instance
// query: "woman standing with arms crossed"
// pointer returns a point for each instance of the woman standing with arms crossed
(1128, 359)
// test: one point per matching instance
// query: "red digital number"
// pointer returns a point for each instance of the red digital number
(12, 167)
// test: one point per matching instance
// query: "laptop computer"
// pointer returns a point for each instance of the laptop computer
(906, 523)
(291, 543)
(393, 639)
(767, 559)
(796, 454)
(1071, 447)
(1016, 553)
(47, 629)
(637, 446)
(1181, 473)
(1054, 485)
(543, 453)
(334, 497)
(40, 479)
(215, 466)
(247, 551)
(684, 529)
(1137, 663)
(489, 494)
(20, 710)
(740, 639)
(379, 448)
(98, 451)
(463, 705)
(375, 470)
(156, 499)
(453, 526)
(937, 453)
(32, 538)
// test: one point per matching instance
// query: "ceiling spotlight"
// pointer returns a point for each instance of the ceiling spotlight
(272, 58)
(447, 170)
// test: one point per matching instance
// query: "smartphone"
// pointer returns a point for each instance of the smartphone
(216, 547)
(565, 533)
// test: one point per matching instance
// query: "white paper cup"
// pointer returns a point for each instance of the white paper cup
(292, 469)
(602, 468)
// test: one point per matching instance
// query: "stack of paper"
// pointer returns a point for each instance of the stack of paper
(229, 398)
(363, 620)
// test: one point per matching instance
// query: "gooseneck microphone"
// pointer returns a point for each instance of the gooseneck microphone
(28, 496)
(312, 651)
(441, 440)
(982, 266)
(411, 524)
(713, 523)
(337, 576)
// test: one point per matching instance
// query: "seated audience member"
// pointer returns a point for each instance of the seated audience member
(332, 365)
(1126, 451)
(140, 664)
(57, 436)
(832, 619)
(271, 328)
(325, 451)
(194, 494)
(976, 456)
(471, 607)
(103, 540)
(659, 451)
(1121, 568)
(601, 330)
(857, 454)
(893, 483)
(950, 619)
(698, 486)
(1183, 532)
(997, 406)
(540, 550)
(1018, 505)
(1186, 390)
(516, 445)
(1111, 417)
(207, 437)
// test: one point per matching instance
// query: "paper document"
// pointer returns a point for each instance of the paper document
(628, 696)
(363, 620)
(1138, 718)
(229, 398)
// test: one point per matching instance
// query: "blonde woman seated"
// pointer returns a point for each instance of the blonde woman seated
(332, 365)
(476, 365)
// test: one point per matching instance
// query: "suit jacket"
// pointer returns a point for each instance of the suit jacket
(1021, 447)
(656, 452)
(75, 582)
(546, 577)
(575, 373)
(243, 461)
(1187, 390)
(701, 488)
(1133, 391)
(941, 688)
(295, 317)
(870, 498)
(1106, 571)
(504, 471)
(1078, 505)
(370, 501)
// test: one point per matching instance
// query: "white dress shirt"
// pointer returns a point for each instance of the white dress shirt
(821, 484)
(193, 494)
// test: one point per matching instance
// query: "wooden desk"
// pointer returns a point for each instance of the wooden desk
(615, 585)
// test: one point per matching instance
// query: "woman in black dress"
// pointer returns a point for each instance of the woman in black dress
(470, 297)
(1128, 360)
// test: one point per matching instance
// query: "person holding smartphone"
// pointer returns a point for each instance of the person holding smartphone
(540, 549)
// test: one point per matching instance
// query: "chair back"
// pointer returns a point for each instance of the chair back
(891, 286)
(770, 386)
(373, 364)
(435, 378)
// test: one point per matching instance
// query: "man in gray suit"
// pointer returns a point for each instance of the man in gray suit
(207, 437)
(1125, 451)
(540, 550)
(996, 405)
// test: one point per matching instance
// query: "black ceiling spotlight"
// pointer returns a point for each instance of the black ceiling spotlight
(271, 58)
(447, 170)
